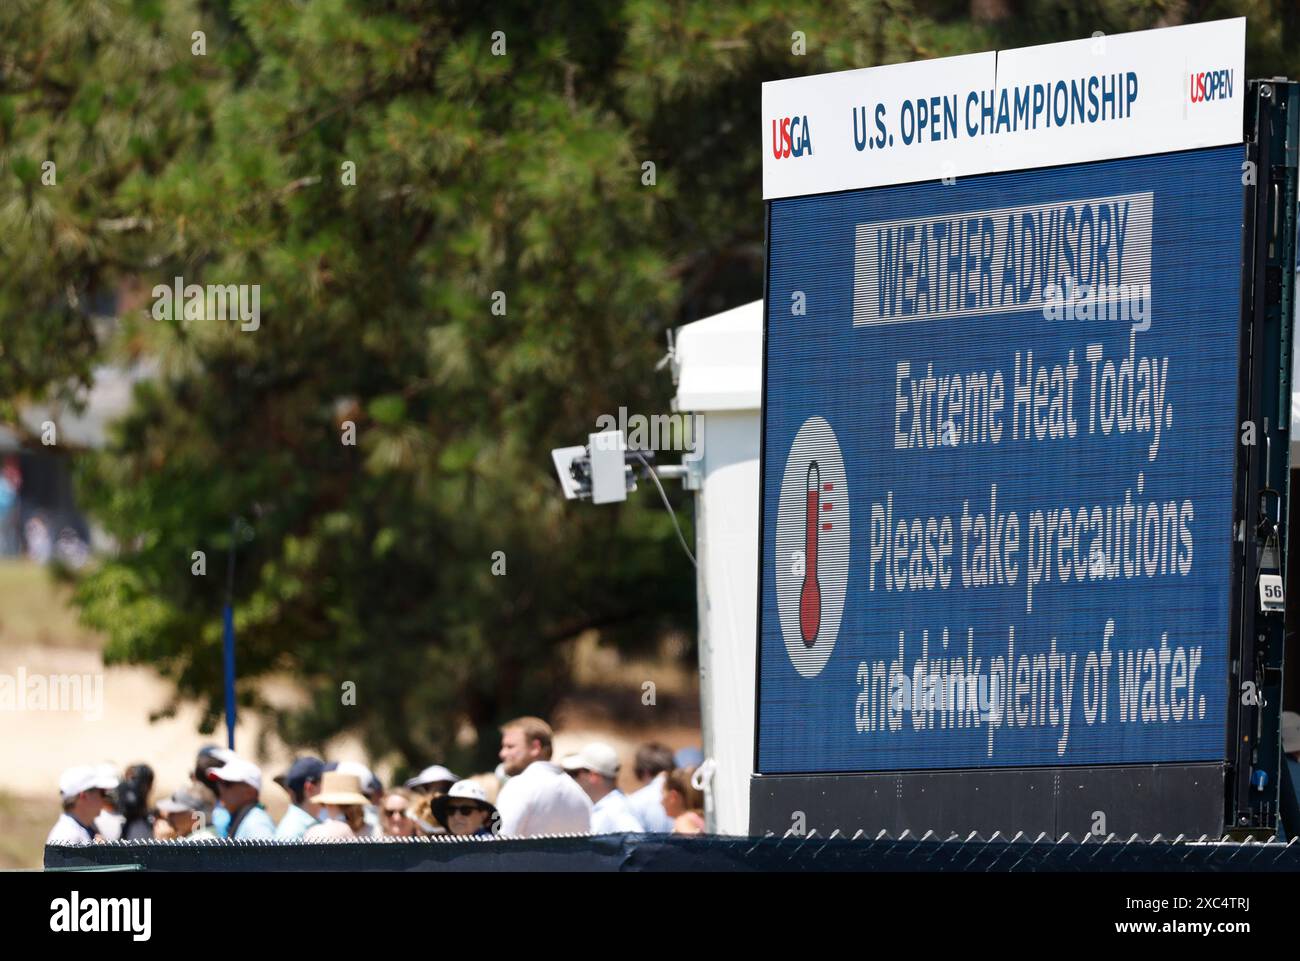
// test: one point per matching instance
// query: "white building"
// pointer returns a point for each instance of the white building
(718, 367)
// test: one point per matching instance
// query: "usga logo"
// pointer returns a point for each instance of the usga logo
(1210, 85)
(791, 137)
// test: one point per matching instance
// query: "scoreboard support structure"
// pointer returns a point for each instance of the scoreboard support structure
(1263, 470)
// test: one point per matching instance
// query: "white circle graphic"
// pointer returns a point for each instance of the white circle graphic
(812, 524)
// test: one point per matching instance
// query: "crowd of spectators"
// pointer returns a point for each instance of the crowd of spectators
(529, 794)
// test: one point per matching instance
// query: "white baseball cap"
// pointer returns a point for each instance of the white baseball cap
(596, 756)
(1290, 732)
(238, 771)
(432, 775)
(86, 777)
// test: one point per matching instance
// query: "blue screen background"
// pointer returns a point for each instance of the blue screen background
(820, 364)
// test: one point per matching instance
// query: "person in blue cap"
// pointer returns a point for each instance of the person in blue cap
(302, 781)
(84, 790)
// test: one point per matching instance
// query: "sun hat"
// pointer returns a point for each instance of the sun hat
(433, 774)
(461, 791)
(369, 781)
(337, 787)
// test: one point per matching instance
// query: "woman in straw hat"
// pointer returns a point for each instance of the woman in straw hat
(343, 813)
(465, 810)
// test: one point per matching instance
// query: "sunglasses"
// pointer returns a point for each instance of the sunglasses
(463, 811)
(394, 812)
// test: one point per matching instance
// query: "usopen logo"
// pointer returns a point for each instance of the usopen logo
(1209, 85)
(791, 137)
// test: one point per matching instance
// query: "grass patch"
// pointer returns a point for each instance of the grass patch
(24, 823)
(34, 610)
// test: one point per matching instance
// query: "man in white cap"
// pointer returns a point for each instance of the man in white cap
(538, 798)
(84, 790)
(238, 784)
(595, 768)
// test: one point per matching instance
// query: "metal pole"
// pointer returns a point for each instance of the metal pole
(228, 631)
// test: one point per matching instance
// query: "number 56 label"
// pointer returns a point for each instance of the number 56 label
(1270, 592)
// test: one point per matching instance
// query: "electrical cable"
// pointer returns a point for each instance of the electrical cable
(671, 513)
(1272, 537)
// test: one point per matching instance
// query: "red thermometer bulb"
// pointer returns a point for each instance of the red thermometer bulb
(810, 596)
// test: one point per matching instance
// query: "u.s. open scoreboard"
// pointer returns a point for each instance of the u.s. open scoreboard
(1009, 434)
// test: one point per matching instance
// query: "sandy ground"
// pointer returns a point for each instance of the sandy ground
(37, 745)
(39, 637)
(117, 732)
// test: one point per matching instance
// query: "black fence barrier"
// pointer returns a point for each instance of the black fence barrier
(651, 852)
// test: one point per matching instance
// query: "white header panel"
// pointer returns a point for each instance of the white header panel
(1062, 103)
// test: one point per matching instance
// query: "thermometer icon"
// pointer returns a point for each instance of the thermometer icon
(810, 596)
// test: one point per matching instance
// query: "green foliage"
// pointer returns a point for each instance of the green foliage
(473, 174)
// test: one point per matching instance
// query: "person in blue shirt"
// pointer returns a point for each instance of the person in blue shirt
(595, 768)
(239, 782)
(302, 781)
(653, 762)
